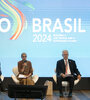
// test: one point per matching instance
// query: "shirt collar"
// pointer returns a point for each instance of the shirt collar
(65, 60)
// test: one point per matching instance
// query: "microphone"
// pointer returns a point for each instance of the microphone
(25, 61)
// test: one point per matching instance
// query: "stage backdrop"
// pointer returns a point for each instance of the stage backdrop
(42, 29)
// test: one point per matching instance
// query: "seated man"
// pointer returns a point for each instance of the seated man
(25, 69)
(66, 70)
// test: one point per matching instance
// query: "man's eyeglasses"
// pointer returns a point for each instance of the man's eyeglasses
(65, 54)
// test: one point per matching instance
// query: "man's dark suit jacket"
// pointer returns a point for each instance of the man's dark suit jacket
(0, 73)
(60, 68)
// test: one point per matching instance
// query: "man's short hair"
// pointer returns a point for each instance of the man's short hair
(64, 50)
(23, 54)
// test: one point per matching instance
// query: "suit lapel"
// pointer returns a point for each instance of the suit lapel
(70, 65)
(63, 64)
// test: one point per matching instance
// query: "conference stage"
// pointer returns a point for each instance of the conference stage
(43, 29)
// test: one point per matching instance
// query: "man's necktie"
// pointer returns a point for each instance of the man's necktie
(66, 67)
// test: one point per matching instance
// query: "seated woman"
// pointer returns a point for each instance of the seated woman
(25, 69)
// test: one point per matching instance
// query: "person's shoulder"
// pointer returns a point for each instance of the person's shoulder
(71, 60)
(29, 61)
(60, 60)
(20, 61)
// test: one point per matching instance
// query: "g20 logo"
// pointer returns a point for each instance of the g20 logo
(6, 29)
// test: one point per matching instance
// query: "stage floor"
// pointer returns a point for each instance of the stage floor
(77, 95)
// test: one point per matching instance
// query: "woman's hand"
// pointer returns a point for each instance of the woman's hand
(28, 75)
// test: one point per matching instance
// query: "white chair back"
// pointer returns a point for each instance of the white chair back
(15, 71)
(2, 77)
(64, 83)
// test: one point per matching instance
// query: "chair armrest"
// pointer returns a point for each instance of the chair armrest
(76, 81)
(2, 77)
(15, 79)
(35, 78)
